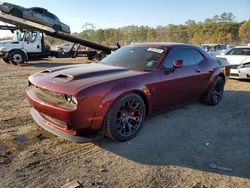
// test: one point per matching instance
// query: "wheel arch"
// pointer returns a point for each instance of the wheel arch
(20, 50)
(216, 73)
(117, 92)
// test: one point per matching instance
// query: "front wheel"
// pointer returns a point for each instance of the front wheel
(125, 118)
(215, 92)
(16, 57)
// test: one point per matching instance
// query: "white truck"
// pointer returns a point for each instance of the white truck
(216, 49)
(25, 46)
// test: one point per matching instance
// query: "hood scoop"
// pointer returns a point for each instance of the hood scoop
(45, 71)
(65, 77)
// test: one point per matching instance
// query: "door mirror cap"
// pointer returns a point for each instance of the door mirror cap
(178, 63)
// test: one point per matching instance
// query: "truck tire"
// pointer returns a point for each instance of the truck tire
(16, 57)
(6, 60)
(16, 12)
(57, 28)
(100, 56)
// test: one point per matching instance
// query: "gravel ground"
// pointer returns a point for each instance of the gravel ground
(174, 149)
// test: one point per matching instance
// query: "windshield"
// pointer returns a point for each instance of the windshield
(18, 36)
(136, 57)
(239, 51)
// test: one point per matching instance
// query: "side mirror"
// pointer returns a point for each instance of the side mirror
(177, 64)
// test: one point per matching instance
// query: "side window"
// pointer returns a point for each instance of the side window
(40, 11)
(34, 37)
(181, 54)
(49, 15)
(197, 56)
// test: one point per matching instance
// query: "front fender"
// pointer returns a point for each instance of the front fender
(114, 94)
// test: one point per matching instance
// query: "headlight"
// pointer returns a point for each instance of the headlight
(246, 65)
(70, 99)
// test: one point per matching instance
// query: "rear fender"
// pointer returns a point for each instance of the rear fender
(114, 94)
(217, 72)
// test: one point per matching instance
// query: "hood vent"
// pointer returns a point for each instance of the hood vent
(64, 77)
(45, 71)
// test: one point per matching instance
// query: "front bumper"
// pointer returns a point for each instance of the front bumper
(44, 124)
(240, 73)
(4, 8)
(73, 138)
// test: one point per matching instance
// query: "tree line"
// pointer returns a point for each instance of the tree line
(219, 29)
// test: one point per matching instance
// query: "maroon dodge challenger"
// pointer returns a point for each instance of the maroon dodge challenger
(112, 98)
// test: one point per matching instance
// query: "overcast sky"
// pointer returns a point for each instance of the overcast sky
(115, 13)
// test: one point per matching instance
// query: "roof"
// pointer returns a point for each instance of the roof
(242, 47)
(159, 44)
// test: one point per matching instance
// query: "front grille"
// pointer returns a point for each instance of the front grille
(55, 121)
(234, 66)
(234, 75)
(52, 97)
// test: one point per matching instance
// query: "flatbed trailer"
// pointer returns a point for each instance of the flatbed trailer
(99, 50)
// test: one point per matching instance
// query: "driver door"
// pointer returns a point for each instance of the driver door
(180, 85)
(32, 42)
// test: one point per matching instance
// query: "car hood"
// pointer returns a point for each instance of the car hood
(74, 78)
(236, 59)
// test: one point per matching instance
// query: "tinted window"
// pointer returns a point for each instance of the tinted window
(185, 55)
(40, 11)
(197, 56)
(49, 15)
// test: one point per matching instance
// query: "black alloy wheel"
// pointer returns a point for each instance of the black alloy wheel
(215, 92)
(125, 117)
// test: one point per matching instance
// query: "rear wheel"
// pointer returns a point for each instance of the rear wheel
(57, 28)
(16, 57)
(215, 92)
(16, 12)
(125, 118)
(100, 55)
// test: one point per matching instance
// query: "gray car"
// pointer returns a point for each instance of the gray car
(35, 14)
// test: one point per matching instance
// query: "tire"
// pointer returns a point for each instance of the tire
(6, 60)
(57, 28)
(16, 12)
(100, 56)
(215, 93)
(16, 57)
(125, 117)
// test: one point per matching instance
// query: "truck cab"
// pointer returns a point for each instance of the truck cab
(25, 43)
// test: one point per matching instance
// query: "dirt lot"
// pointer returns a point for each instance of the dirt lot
(174, 149)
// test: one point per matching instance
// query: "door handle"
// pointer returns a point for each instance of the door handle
(198, 70)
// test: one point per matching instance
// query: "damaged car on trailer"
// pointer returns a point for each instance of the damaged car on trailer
(114, 97)
(35, 14)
